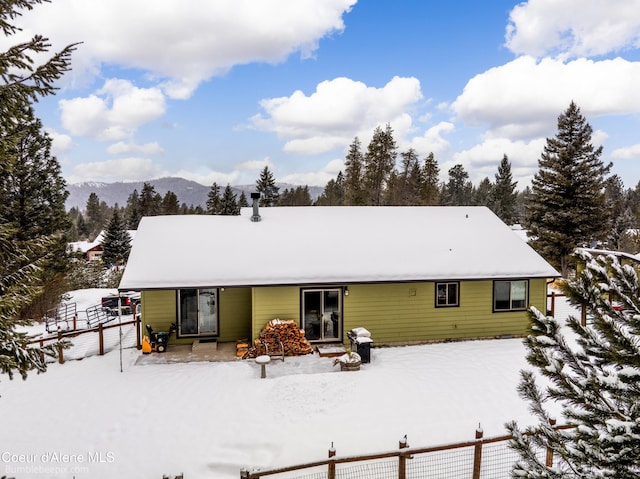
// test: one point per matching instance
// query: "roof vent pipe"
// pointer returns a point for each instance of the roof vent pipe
(256, 214)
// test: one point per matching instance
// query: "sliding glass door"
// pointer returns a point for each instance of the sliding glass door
(197, 312)
(322, 314)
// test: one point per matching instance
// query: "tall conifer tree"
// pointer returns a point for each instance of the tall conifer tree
(379, 162)
(503, 198)
(431, 181)
(354, 192)
(116, 243)
(567, 205)
(23, 80)
(266, 186)
(592, 373)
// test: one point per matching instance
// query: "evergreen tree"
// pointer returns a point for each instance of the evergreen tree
(567, 206)
(430, 191)
(502, 200)
(132, 213)
(379, 162)
(458, 190)
(22, 82)
(150, 201)
(410, 179)
(169, 204)
(333, 194)
(95, 214)
(354, 191)
(228, 204)
(298, 196)
(266, 186)
(592, 372)
(482, 194)
(213, 200)
(116, 243)
(242, 202)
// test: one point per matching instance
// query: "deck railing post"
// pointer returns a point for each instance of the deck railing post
(138, 326)
(477, 454)
(549, 458)
(553, 304)
(402, 458)
(60, 354)
(101, 339)
(331, 472)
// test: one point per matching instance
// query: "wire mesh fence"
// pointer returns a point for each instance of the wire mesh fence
(490, 458)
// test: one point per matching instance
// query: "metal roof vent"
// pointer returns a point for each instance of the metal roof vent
(256, 214)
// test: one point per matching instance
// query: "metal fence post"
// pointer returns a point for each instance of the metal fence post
(477, 454)
(331, 473)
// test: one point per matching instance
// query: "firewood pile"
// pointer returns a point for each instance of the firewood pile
(279, 331)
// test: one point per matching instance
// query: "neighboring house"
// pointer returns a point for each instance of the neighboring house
(407, 274)
(93, 250)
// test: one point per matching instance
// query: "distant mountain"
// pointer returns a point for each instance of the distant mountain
(187, 191)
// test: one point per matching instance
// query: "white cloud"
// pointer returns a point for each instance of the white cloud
(627, 153)
(337, 111)
(573, 28)
(524, 98)
(122, 169)
(114, 112)
(60, 143)
(432, 141)
(182, 44)
(256, 165)
(483, 159)
(148, 148)
(315, 178)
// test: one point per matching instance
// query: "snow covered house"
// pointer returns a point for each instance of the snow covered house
(407, 274)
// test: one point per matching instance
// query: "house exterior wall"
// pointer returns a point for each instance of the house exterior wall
(159, 309)
(406, 312)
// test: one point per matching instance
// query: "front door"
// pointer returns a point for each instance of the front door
(197, 312)
(322, 314)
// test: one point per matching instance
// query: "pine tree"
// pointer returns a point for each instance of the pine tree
(150, 201)
(482, 194)
(116, 243)
(132, 213)
(22, 82)
(228, 204)
(502, 200)
(430, 191)
(266, 186)
(458, 190)
(593, 373)
(333, 194)
(410, 179)
(170, 204)
(354, 192)
(95, 214)
(379, 162)
(213, 200)
(242, 202)
(567, 206)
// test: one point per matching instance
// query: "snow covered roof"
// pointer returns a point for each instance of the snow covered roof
(328, 245)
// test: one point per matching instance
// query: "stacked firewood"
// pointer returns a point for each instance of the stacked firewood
(280, 335)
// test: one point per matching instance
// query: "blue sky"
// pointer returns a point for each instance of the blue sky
(214, 90)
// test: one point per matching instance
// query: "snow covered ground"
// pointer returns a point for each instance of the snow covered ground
(87, 419)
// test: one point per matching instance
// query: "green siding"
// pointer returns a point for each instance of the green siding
(159, 309)
(235, 314)
(405, 312)
(393, 312)
(274, 302)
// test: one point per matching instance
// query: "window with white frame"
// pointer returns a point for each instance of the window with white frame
(510, 295)
(447, 294)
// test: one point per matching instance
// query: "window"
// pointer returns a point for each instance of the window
(510, 295)
(447, 294)
(197, 312)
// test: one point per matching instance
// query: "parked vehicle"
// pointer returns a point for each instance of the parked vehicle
(129, 302)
